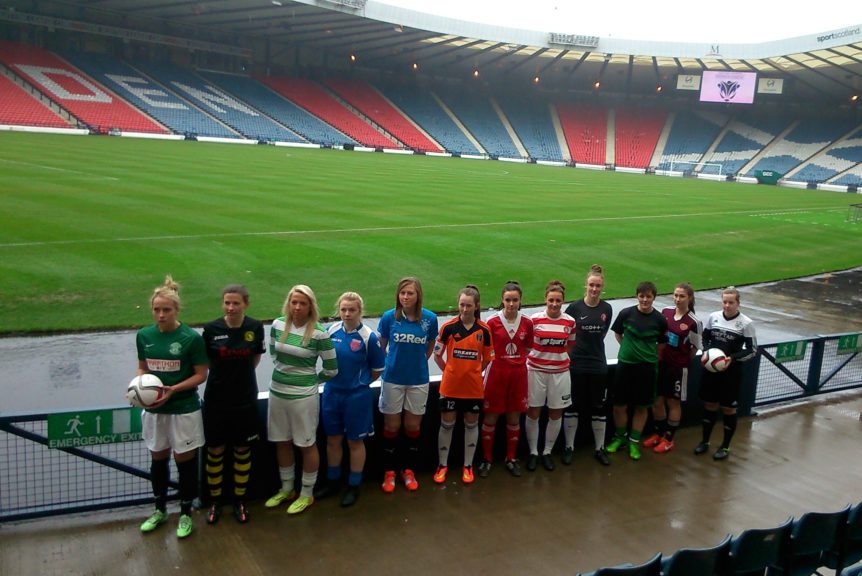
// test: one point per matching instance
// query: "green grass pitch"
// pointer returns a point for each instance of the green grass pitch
(91, 224)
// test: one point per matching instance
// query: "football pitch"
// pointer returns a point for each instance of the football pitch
(90, 225)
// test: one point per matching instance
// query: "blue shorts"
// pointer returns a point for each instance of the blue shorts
(348, 413)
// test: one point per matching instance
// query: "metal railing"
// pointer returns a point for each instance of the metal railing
(38, 481)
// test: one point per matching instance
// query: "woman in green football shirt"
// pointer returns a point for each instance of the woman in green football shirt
(176, 354)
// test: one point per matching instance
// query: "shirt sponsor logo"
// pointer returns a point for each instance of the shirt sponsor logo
(410, 339)
(465, 354)
(221, 337)
(225, 352)
(156, 365)
(511, 349)
(553, 341)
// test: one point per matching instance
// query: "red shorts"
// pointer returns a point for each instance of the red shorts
(505, 388)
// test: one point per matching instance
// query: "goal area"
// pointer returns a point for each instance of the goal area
(697, 167)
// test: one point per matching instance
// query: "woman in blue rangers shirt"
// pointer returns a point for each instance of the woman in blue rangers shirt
(347, 407)
(733, 332)
(407, 334)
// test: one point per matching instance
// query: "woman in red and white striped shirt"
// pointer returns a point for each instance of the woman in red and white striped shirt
(548, 378)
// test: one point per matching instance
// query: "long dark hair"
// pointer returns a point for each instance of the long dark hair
(511, 286)
(690, 291)
(473, 292)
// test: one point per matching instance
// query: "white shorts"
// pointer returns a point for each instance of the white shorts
(293, 420)
(395, 398)
(179, 432)
(555, 388)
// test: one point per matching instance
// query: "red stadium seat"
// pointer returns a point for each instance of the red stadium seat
(319, 102)
(75, 91)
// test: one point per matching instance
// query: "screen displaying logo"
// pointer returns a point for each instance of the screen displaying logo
(728, 87)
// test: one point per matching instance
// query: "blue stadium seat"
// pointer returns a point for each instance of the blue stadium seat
(753, 551)
(700, 561)
(531, 120)
(479, 117)
(217, 104)
(812, 535)
(651, 567)
(299, 121)
(156, 100)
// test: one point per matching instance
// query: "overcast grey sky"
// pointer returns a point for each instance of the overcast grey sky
(728, 21)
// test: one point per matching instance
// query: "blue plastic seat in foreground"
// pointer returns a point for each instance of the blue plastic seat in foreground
(758, 548)
(651, 567)
(848, 549)
(812, 535)
(700, 561)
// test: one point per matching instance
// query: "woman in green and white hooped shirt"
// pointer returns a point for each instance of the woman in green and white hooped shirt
(296, 341)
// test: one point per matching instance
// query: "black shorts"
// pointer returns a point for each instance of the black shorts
(634, 384)
(234, 426)
(472, 405)
(672, 381)
(589, 391)
(722, 387)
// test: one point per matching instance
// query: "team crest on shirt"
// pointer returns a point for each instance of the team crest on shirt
(683, 326)
(479, 337)
(426, 324)
(604, 317)
(176, 348)
(355, 345)
(248, 336)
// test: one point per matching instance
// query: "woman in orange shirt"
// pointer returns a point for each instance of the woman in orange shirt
(462, 351)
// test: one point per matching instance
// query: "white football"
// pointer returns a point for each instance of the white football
(145, 390)
(715, 360)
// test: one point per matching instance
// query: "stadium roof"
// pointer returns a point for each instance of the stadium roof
(822, 66)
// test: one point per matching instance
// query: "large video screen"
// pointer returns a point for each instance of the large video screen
(729, 87)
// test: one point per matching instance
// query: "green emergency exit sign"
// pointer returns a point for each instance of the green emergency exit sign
(91, 427)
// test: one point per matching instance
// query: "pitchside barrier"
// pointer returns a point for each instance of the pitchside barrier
(62, 463)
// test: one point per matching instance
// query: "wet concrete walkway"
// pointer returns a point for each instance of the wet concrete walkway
(90, 370)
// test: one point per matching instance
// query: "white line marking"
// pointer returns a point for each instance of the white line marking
(55, 169)
(371, 229)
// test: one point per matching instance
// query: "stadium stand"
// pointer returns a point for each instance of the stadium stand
(153, 99)
(840, 157)
(370, 102)
(745, 137)
(84, 97)
(223, 109)
(478, 115)
(287, 113)
(637, 132)
(586, 130)
(313, 98)
(852, 177)
(18, 108)
(691, 135)
(531, 120)
(806, 139)
(427, 112)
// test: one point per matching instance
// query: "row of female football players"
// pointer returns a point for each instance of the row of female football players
(510, 365)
